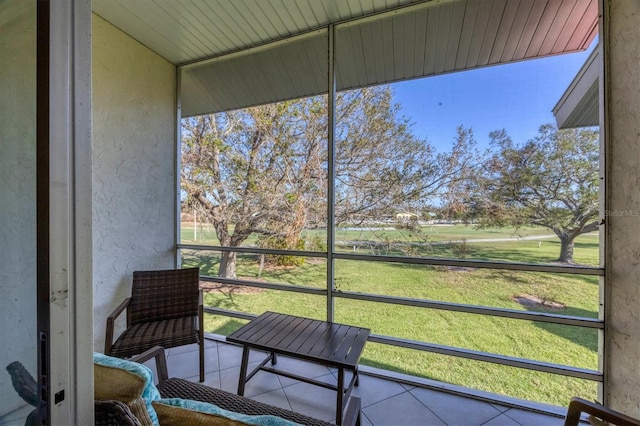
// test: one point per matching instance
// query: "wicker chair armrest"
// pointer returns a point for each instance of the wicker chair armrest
(24, 383)
(579, 405)
(108, 339)
(182, 388)
(156, 352)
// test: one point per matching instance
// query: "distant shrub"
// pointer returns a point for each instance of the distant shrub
(461, 250)
(316, 243)
(279, 243)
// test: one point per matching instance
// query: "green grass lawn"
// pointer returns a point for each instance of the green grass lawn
(432, 242)
(571, 294)
(438, 233)
(205, 234)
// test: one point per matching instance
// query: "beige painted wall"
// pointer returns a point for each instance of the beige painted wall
(133, 166)
(17, 193)
(622, 296)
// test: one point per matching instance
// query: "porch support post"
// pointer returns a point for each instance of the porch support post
(620, 87)
(331, 99)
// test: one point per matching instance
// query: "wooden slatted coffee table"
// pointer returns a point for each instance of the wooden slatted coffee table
(330, 344)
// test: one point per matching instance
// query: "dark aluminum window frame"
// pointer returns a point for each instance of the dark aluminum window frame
(331, 293)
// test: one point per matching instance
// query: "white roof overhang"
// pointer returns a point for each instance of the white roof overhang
(579, 105)
(250, 52)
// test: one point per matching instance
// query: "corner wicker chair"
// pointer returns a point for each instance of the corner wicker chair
(165, 309)
(117, 413)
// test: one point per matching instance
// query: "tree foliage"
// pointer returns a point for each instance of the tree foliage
(255, 170)
(551, 180)
(381, 167)
(264, 169)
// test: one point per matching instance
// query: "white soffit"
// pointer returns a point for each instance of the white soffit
(579, 104)
(375, 41)
(420, 40)
(459, 35)
(184, 31)
(288, 70)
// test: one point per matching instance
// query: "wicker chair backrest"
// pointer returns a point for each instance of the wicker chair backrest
(166, 294)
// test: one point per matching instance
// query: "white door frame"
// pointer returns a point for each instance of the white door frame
(70, 338)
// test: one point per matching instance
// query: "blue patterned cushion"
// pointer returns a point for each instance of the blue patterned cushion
(149, 393)
(205, 407)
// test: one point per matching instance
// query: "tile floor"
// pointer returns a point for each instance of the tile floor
(384, 401)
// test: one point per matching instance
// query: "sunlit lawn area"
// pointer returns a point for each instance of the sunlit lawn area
(563, 294)
(442, 232)
(203, 233)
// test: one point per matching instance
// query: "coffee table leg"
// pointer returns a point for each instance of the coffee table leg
(274, 359)
(340, 402)
(243, 370)
(357, 374)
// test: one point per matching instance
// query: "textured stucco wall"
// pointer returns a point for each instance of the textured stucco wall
(133, 172)
(17, 193)
(622, 344)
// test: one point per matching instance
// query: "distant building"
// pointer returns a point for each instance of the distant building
(406, 216)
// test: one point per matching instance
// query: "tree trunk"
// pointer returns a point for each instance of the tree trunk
(227, 267)
(261, 268)
(566, 248)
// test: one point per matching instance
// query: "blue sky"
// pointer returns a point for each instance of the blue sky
(518, 97)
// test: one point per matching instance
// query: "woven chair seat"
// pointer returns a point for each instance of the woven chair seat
(181, 388)
(169, 333)
(114, 413)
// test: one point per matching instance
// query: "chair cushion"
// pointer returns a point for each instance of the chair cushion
(177, 416)
(126, 381)
(120, 385)
(196, 412)
(166, 333)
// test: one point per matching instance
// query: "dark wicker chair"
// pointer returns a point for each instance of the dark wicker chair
(165, 309)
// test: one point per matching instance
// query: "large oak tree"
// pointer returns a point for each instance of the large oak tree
(264, 169)
(551, 180)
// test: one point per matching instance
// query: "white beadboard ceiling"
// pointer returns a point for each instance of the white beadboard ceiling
(377, 41)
